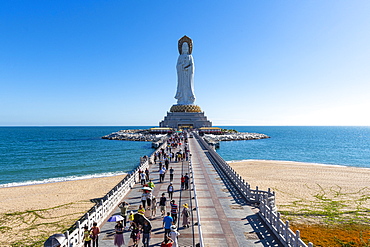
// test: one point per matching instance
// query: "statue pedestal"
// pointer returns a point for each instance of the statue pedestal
(181, 120)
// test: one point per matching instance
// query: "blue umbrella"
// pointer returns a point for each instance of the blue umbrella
(115, 218)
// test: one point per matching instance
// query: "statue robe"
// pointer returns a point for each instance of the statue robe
(185, 80)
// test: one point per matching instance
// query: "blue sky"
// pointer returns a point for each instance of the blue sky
(114, 62)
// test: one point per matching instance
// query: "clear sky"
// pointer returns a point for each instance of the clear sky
(104, 62)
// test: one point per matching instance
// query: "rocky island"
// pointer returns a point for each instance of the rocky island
(214, 140)
(134, 135)
(149, 135)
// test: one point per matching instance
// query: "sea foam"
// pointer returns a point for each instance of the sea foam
(62, 179)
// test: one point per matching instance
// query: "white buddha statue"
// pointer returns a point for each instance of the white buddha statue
(185, 77)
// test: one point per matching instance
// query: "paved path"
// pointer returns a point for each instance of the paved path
(226, 220)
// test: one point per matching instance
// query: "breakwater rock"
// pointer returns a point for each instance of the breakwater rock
(134, 135)
(235, 137)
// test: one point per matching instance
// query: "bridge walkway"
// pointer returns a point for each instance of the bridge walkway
(226, 218)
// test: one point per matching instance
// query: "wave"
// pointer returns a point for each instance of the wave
(62, 179)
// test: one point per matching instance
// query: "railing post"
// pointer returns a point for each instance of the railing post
(67, 237)
(271, 213)
(102, 206)
(278, 223)
(248, 191)
(286, 233)
(79, 231)
(297, 237)
(88, 220)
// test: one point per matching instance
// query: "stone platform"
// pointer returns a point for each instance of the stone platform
(190, 119)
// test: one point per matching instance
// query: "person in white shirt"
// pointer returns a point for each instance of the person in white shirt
(174, 236)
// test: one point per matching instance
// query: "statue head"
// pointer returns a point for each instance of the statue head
(185, 48)
(189, 44)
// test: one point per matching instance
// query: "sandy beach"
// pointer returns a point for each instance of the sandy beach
(303, 186)
(37, 211)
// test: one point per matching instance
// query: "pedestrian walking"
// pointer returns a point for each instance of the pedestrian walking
(186, 181)
(185, 215)
(154, 207)
(165, 171)
(171, 174)
(162, 204)
(174, 210)
(174, 235)
(124, 207)
(182, 182)
(118, 237)
(170, 190)
(162, 171)
(95, 231)
(131, 217)
(87, 237)
(142, 178)
(143, 198)
(147, 230)
(170, 156)
(166, 163)
(160, 165)
(149, 196)
(147, 174)
(135, 234)
(167, 223)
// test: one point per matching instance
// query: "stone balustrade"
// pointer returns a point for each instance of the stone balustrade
(265, 199)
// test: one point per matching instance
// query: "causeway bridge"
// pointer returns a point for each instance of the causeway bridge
(225, 211)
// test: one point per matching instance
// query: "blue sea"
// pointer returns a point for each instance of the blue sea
(32, 155)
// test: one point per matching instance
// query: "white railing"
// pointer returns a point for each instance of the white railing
(200, 233)
(102, 210)
(266, 200)
(280, 229)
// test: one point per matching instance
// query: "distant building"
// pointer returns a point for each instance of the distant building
(210, 130)
(160, 130)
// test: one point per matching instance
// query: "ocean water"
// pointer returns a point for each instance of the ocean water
(347, 146)
(31, 155)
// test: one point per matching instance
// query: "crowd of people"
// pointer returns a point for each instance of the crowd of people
(139, 224)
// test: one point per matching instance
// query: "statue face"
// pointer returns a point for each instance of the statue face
(185, 48)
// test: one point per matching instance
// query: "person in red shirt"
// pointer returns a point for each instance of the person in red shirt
(95, 230)
(167, 242)
(182, 182)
